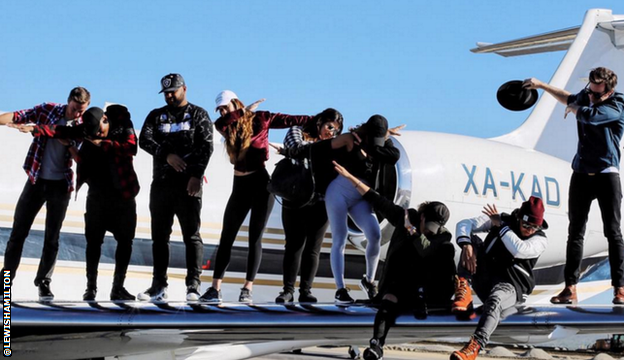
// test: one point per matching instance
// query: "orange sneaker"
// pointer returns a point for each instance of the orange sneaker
(463, 296)
(470, 351)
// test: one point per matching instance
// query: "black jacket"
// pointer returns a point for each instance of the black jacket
(186, 132)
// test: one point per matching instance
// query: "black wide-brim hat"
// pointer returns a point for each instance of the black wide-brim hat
(512, 96)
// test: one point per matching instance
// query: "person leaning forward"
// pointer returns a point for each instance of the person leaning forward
(50, 181)
(500, 267)
(599, 113)
(179, 137)
(419, 243)
(105, 163)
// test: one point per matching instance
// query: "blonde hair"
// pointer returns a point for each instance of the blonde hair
(239, 133)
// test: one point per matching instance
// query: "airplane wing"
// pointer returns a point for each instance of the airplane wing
(78, 330)
(548, 42)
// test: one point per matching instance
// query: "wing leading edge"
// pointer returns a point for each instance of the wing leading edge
(80, 330)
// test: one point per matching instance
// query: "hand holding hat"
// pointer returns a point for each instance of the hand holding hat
(516, 95)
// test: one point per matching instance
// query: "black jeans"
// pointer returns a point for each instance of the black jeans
(56, 197)
(114, 214)
(584, 189)
(304, 230)
(248, 193)
(167, 200)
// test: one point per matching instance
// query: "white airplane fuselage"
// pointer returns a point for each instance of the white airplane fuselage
(463, 172)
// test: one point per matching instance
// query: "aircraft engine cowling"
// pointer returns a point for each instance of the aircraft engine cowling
(394, 182)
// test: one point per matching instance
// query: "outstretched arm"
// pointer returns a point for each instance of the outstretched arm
(559, 94)
(6, 118)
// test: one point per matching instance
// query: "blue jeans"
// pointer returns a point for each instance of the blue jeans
(342, 199)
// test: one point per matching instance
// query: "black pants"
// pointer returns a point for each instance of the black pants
(583, 190)
(114, 214)
(167, 200)
(248, 193)
(304, 230)
(56, 197)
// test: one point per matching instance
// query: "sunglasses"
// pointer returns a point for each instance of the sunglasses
(597, 95)
(330, 127)
(530, 227)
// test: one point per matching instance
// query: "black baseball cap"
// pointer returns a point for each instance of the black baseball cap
(91, 121)
(436, 216)
(171, 82)
(376, 128)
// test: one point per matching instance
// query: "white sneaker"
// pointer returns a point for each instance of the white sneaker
(154, 294)
(192, 294)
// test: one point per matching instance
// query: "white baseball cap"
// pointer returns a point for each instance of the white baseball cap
(224, 98)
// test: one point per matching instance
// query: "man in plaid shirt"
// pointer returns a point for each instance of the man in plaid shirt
(105, 162)
(50, 181)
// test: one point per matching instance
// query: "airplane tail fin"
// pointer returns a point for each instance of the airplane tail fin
(599, 41)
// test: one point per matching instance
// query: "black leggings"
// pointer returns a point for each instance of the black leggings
(248, 193)
(304, 230)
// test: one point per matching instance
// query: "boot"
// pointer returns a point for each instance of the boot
(118, 292)
(463, 296)
(618, 295)
(89, 294)
(566, 296)
(91, 290)
(470, 351)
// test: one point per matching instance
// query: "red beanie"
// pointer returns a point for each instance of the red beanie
(532, 211)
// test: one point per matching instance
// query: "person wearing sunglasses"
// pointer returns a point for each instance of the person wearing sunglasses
(599, 112)
(305, 227)
(500, 268)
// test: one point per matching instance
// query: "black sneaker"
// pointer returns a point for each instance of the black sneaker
(155, 293)
(368, 287)
(192, 293)
(305, 296)
(284, 297)
(119, 293)
(342, 296)
(374, 351)
(45, 294)
(245, 296)
(420, 306)
(211, 295)
(89, 294)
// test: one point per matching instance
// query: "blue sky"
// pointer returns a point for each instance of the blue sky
(407, 60)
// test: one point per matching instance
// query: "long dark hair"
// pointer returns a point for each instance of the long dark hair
(311, 129)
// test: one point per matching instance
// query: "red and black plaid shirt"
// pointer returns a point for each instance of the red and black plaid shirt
(119, 147)
(44, 114)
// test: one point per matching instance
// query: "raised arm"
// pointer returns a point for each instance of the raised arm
(294, 145)
(606, 112)
(6, 118)
(559, 94)
(523, 249)
(126, 144)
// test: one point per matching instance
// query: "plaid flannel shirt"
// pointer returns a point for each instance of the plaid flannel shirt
(120, 148)
(44, 114)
